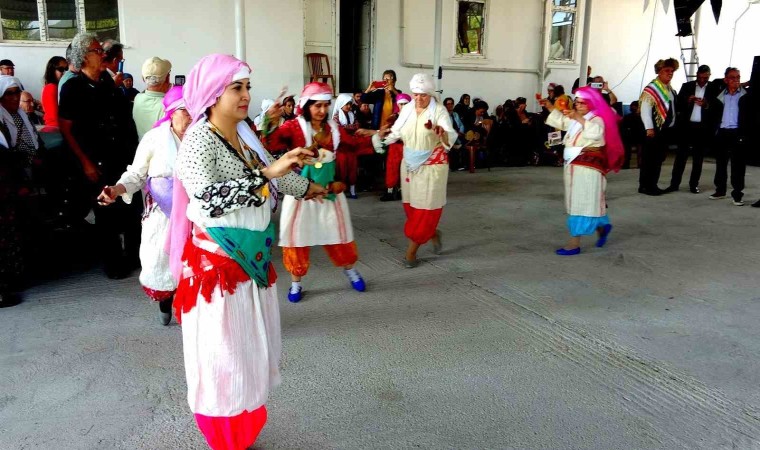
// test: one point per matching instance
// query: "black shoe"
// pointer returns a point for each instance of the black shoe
(387, 197)
(165, 311)
(117, 271)
(756, 204)
(397, 194)
(670, 189)
(8, 299)
(652, 192)
(695, 190)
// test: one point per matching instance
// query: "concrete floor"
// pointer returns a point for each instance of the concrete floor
(649, 343)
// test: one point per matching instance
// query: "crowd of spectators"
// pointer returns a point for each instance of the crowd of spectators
(57, 153)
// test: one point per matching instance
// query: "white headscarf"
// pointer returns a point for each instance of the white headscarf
(345, 119)
(422, 83)
(7, 82)
(265, 105)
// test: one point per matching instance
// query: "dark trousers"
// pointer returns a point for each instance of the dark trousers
(653, 153)
(118, 227)
(693, 139)
(728, 146)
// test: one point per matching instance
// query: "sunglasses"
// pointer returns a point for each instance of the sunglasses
(62, 69)
(99, 51)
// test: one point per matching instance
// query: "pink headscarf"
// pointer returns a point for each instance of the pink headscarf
(614, 145)
(208, 79)
(172, 101)
(205, 84)
(403, 97)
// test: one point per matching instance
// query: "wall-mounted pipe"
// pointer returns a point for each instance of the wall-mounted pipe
(240, 30)
(407, 64)
(437, 73)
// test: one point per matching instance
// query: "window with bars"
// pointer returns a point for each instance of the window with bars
(58, 20)
(471, 27)
(564, 14)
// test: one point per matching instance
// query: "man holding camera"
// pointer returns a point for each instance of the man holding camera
(694, 129)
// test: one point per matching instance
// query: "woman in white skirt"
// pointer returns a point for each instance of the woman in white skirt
(307, 224)
(592, 149)
(226, 296)
(153, 170)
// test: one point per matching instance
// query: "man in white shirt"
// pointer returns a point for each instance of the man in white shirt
(694, 129)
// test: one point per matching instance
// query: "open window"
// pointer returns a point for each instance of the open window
(564, 14)
(471, 28)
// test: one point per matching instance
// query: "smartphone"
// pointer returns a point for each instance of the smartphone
(378, 84)
(597, 85)
(179, 80)
(120, 69)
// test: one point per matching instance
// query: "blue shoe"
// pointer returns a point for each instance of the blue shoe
(603, 236)
(571, 252)
(357, 282)
(295, 297)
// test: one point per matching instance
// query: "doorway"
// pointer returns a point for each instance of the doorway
(356, 42)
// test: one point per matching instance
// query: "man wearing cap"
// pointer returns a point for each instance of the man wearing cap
(8, 68)
(694, 129)
(148, 106)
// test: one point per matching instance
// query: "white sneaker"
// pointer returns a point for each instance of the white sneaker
(738, 202)
(717, 196)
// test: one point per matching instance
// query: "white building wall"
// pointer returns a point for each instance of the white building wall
(183, 31)
(512, 42)
(620, 38)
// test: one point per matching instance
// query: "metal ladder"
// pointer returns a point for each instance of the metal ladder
(689, 55)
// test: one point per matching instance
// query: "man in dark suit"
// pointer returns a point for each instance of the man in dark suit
(693, 128)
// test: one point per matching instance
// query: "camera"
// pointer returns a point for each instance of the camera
(597, 85)
(179, 80)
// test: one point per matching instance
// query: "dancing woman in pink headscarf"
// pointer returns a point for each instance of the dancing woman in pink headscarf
(592, 149)
(153, 170)
(226, 296)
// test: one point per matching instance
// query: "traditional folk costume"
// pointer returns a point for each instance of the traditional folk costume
(226, 298)
(351, 145)
(591, 151)
(425, 166)
(395, 155)
(153, 170)
(304, 224)
(658, 113)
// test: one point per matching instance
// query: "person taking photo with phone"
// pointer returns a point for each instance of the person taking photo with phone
(382, 94)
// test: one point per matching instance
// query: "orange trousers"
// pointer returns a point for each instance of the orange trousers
(296, 259)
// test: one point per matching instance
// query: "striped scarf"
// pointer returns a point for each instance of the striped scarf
(658, 94)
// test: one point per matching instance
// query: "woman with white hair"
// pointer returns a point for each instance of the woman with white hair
(426, 129)
(23, 135)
